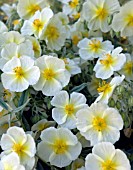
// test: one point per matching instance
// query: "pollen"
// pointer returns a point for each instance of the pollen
(99, 124)
(108, 61)
(52, 32)
(49, 74)
(109, 165)
(74, 3)
(60, 146)
(33, 8)
(101, 13)
(95, 45)
(69, 109)
(19, 72)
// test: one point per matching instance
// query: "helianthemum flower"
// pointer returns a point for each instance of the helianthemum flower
(37, 23)
(59, 147)
(93, 48)
(99, 123)
(104, 156)
(67, 107)
(54, 34)
(97, 12)
(11, 162)
(13, 50)
(106, 89)
(27, 8)
(123, 21)
(53, 75)
(19, 73)
(110, 62)
(15, 140)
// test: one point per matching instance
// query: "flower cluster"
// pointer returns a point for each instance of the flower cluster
(66, 80)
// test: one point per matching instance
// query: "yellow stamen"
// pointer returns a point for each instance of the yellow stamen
(76, 16)
(75, 39)
(18, 148)
(33, 8)
(38, 24)
(128, 67)
(52, 32)
(99, 124)
(108, 165)
(108, 61)
(101, 13)
(104, 87)
(95, 45)
(19, 72)
(60, 146)
(69, 109)
(74, 3)
(49, 74)
(129, 20)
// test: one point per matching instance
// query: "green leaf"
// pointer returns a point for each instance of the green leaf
(23, 98)
(3, 104)
(78, 88)
(21, 107)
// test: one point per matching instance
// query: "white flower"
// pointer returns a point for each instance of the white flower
(93, 48)
(70, 6)
(11, 162)
(99, 123)
(11, 37)
(71, 66)
(110, 62)
(3, 27)
(13, 50)
(54, 34)
(27, 8)
(35, 46)
(106, 89)
(19, 73)
(67, 107)
(59, 147)
(97, 12)
(36, 24)
(123, 21)
(8, 9)
(53, 76)
(15, 140)
(127, 69)
(104, 156)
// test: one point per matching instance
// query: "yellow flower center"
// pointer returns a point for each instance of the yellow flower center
(73, 3)
(101, 13)
(8, 167)
(75, 39)
(38, 24)
(52, 32)
(128, 67)
(33, 8)
(99, 124)
(18, 148)
(108, 165)
(104, 87)
(49, 74)
(95, 45)
(6, 94)
(108, 61)
(19, 72)
(76, 16)
(129, 20)
(60, 146)
(69, 109)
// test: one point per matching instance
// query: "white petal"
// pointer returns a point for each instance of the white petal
(59, 115)
(61, 99)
